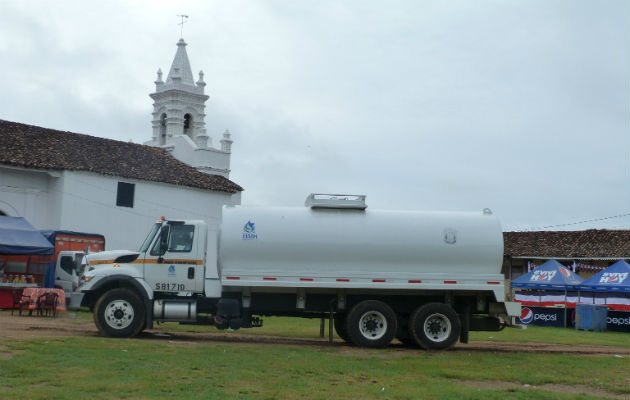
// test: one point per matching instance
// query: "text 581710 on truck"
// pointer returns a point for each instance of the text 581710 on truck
(426, 278)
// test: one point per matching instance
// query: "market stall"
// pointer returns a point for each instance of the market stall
(610, 287)
(25, 256)
(547, 292)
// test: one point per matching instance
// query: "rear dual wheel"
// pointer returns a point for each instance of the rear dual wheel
(340, 326)
(371, 323)
(434, 326)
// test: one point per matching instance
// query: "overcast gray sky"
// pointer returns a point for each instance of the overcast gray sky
(519, 106)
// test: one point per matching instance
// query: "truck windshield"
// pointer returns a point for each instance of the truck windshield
(147, 242)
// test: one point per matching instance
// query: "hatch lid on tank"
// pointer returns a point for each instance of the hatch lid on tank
(344, 201)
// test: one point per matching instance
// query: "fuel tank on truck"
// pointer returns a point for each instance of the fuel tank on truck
(342, 239)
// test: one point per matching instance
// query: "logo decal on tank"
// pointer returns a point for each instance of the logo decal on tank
(450, 236)
(249, 231)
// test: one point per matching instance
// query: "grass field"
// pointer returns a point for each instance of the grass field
(102, 368)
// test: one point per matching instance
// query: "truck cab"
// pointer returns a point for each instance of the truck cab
(68, 268)
(173, 256)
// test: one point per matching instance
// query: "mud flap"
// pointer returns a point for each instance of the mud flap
(465, 322)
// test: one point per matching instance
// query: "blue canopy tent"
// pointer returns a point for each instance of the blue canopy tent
(614, 280)
(550, 276)
(17, 236)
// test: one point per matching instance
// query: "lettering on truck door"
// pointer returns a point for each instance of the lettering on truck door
(178, 268)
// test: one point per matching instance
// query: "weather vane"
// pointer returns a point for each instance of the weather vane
(184, 18)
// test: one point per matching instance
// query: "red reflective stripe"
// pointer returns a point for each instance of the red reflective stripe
(493, 283)
(266, 278)
(450, 282)
(415, 281)
(233, 277)
(378, 280)
(306, 279)
(343, 280)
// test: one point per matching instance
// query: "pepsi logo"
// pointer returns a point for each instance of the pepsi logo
(527, 315)
(564, 271)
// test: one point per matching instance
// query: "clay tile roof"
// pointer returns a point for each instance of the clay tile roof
(31, 146)
(593, 243)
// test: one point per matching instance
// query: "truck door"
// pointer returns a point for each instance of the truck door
(66, 274)
(173, 264)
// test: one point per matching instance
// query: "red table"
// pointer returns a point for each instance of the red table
(6, 292)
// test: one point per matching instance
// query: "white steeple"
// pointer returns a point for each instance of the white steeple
(178, 118)
(180, 69)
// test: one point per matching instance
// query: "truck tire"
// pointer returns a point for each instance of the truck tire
(340, 326)
(119, 313)
(371, 323)
(434, 326)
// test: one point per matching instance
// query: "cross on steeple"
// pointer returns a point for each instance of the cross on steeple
(184, 18)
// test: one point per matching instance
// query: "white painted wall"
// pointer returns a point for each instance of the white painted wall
(27, 192)
(185, 150)
(86, 202)
(90, 205)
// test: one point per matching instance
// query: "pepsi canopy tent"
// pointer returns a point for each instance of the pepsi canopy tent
(550, 275)
(17, 236)
(615, 278)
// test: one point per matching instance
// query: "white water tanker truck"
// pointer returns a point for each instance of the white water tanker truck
(426, 278)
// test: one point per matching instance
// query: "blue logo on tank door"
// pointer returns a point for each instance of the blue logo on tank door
(171, 270)
(249, 231)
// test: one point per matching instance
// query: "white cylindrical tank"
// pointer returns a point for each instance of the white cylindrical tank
(303, 241)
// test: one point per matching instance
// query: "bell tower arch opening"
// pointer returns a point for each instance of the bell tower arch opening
(163, 129)
(188, 131)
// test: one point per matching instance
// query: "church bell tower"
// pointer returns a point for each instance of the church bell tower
(178, 118)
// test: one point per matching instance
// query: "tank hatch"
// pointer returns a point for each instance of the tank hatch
(343, 201)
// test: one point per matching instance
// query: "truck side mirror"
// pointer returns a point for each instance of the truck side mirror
(164, 239)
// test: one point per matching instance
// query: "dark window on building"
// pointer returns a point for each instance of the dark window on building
(124, 197)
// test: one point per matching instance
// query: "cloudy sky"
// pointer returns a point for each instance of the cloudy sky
(519, 106)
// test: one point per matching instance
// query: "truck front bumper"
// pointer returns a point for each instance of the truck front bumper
(75, 299)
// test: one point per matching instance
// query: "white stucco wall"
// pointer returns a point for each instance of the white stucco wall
(25, 192)
(90, 205)
(86, 202)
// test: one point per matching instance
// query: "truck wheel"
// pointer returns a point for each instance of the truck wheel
(434, 326)
(340, 326)
(371, 323)
(119, 313)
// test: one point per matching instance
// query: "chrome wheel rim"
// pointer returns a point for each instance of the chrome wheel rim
(373, 325)
(437, 327)
(119, 314)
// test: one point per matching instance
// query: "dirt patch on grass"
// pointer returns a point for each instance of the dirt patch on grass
(543, 348)
(6, 354)
(30, 327)
(556, 388)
